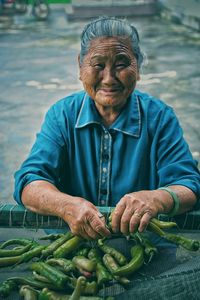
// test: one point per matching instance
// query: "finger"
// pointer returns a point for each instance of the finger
(86, 231)
(116, 217)
(135, 221)
(146, 218)
(82, 234)
(91, 234)
(99, 226)
(125, 221)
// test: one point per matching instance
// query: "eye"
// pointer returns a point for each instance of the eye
(98, 66)
(121, 65)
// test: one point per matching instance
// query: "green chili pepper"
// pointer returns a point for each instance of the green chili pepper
(163, 224)
(35, 252)
(112, 266)
(102, 273)
(79, 288)
(154, 228)
(19, 281)
(40, 277)
(189, 244)
(22, 242)
(15, 252)
(9, 261)
(65, 249)
(137, 254)
(56, 244)
(47, 294)
(82, 252)
(66, 265)
(91, 288)
(120, 258)
(149, 249)
(58, 278)
(28, 293)
(25, 257)
(7, 287)
(94, 254)
(84, 263)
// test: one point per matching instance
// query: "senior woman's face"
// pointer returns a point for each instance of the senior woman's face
(109, 71)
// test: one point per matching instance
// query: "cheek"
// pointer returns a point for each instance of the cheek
(87, 76)
(129, 78)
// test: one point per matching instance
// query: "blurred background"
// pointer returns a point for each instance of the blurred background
(39, 44)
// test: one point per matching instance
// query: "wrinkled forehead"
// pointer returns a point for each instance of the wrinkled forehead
(112, 45)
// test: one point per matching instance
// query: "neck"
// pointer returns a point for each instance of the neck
(108, 114)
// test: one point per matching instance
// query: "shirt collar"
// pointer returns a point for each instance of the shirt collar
(128, 122)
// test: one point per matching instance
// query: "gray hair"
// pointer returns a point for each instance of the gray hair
(110, 27)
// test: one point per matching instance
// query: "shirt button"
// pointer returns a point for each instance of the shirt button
(103, 192)
(103, 202)
(106, 136)
(104, 170)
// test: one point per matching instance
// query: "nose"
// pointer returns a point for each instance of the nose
(108, 76)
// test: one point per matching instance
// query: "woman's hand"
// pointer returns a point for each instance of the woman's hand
(82, 216)
(84, 219)
(135, 210)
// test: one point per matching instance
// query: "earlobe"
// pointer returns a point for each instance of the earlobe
(138, 76)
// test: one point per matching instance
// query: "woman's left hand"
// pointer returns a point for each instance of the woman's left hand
(135, 210)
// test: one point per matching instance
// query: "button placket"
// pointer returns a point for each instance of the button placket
(104, 178)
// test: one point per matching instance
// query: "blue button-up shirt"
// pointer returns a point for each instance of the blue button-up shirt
(142, 150)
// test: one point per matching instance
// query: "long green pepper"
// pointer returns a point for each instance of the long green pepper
(56, 244)
(55, 276)
(137, 254)
(68, 247)
(120, 258)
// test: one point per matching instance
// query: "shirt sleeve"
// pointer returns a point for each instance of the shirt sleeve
(46, 155)
(175, 163)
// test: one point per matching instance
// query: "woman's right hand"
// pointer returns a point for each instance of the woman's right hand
(84, 219)
(82, 216)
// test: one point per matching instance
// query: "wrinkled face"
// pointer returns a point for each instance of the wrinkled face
(109, 71)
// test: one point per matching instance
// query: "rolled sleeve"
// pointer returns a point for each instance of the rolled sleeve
(43, 162)
(175, 163)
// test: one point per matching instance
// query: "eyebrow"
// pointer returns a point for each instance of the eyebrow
(117, 57)
(98, 56)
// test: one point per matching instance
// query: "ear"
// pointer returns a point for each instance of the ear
(138, 76)
(79, 64)
(79, 61)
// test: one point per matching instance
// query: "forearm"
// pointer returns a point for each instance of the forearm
(81, 215)
(186, 196)
(44, 198)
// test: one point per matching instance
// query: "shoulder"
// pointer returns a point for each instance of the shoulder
(153, 107)
(67, 107)
(148, 101)
(156, 114)
(69, 103)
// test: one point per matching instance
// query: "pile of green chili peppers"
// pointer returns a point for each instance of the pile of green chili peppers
(69, 267)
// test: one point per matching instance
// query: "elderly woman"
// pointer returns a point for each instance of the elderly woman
(109, 145)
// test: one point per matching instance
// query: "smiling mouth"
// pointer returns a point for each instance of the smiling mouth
(110, 90)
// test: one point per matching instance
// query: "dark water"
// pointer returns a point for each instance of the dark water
(39, 66)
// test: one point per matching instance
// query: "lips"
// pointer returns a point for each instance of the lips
(109, 90)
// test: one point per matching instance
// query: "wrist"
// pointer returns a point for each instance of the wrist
(175, 202)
